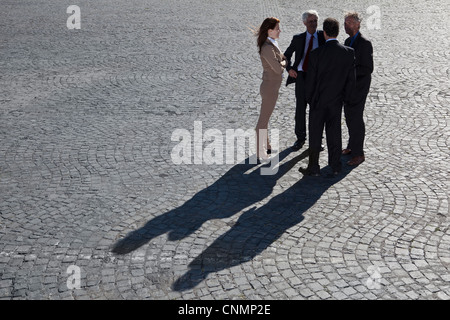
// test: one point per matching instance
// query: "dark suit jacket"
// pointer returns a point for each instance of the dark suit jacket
(298, 46)
(331, 76)
(364, 62)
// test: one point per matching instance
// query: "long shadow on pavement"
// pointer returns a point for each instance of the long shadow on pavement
(230, 194)
(257, 228)
(254, 231)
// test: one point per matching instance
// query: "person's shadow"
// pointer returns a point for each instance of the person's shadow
(255, 230)
(230, 194)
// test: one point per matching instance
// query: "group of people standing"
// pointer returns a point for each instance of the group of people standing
(328, 76)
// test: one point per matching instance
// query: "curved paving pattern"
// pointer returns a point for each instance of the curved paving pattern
(87, 179)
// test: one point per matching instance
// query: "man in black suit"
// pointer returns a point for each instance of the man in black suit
(330, 83)
(302, 44)
(364, 68)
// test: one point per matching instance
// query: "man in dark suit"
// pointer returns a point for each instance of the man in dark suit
(330, 83)
(302, 44)
(364, 68)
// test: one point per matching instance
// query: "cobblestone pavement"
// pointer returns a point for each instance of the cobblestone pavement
(88, 187)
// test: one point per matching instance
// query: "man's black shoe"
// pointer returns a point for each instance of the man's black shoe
(298, 145)
(307, 172)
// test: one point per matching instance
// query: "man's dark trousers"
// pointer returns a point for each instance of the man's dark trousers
(330, 118)
(354, 119)
(300, 109)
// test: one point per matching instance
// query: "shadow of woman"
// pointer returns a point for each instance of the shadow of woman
(230, 194)
(257, 229)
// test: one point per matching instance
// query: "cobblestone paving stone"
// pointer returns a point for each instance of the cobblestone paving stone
(87, 178)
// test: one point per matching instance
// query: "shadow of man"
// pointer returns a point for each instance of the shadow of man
(230, 194)
(257, 229)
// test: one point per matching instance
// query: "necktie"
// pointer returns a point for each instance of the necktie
(305, 62)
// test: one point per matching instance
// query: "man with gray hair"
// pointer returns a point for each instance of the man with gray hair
(302, 44)
(355, 109)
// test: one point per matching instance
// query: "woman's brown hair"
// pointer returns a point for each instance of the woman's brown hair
(263, 31)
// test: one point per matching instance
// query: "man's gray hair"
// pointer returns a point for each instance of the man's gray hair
(354, 15)
(308, 13)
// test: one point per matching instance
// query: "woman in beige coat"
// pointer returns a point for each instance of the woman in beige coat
(273, 62)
